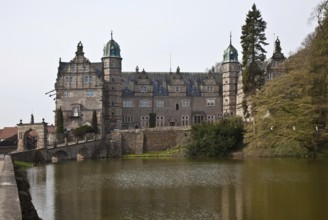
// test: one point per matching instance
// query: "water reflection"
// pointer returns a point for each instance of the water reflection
(42, 188)
(181, 189)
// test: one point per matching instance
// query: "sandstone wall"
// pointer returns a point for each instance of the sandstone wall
(149, 140)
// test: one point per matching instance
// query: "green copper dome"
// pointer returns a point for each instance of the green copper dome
(230, 54)
(112, 49)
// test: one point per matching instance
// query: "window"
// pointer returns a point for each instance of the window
(176, 106)
(67, 94)
(127, 104)
(270, 76)
(198, 118)
(184, 120)
(87, 79)
(90, 93)
(160, 89)
(144, 103)
(210, 102)
(192, 89)
(69, 79)
(127, 119)
(113, 103)
(160, 121)
(85, 68)
(143, 89)
(185, 103)
(177, 88)
(210, 88)
(211, 118)
(160, 104)
(76, 111)
(144, 121)
(72, 68)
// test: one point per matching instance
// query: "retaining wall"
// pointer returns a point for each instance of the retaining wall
(9, 199)
(150, 139)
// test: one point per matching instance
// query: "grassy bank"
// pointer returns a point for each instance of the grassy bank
(178, 151)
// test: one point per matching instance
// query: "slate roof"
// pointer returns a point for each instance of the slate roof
(161, 80)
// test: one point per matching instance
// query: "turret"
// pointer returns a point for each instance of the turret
(277, 55)
(274, 66)
(112, 95)
(230, 71)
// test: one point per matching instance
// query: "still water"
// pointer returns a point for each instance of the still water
(181, 189)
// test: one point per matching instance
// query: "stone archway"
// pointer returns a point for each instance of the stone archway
(30, 139)
(59, 156)
(32, 136)
(82, 154)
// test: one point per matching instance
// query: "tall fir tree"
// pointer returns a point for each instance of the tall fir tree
(59, 121)
(253, 40)
(94, 121)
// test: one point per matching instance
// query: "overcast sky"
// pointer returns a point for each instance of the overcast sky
(36, 33)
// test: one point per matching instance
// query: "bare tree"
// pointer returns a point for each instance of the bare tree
(320, 14)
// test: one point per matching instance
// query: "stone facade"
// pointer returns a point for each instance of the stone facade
(139, 141)
(37, 133)
(126, 100)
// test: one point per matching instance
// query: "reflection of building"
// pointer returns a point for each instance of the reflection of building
(142, 99)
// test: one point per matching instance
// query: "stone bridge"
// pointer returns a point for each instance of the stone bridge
(75, 151)
(135, 141)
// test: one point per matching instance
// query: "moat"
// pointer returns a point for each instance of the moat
(181, 189)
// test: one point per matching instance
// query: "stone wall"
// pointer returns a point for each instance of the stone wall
(149, 140)
(136, 141)
(40, 130)
(9, 199)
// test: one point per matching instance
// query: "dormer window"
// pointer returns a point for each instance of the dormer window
(143, 89)
(177, 89)
(210, 102)
(72, 68)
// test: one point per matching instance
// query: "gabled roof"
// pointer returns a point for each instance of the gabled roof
(8, 132)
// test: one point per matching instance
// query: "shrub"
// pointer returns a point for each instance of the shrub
(82, 130)
(216, 139)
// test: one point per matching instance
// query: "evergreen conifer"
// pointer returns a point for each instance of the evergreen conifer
(59, 121)
(252, 40)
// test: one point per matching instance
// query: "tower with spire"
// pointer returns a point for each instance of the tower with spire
(112, 95)
(274, 67)
(230, 70)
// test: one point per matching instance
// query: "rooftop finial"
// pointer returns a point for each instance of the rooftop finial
(111, 34)
(230, 37)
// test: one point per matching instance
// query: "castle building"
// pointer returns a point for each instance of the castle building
(140, 99)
